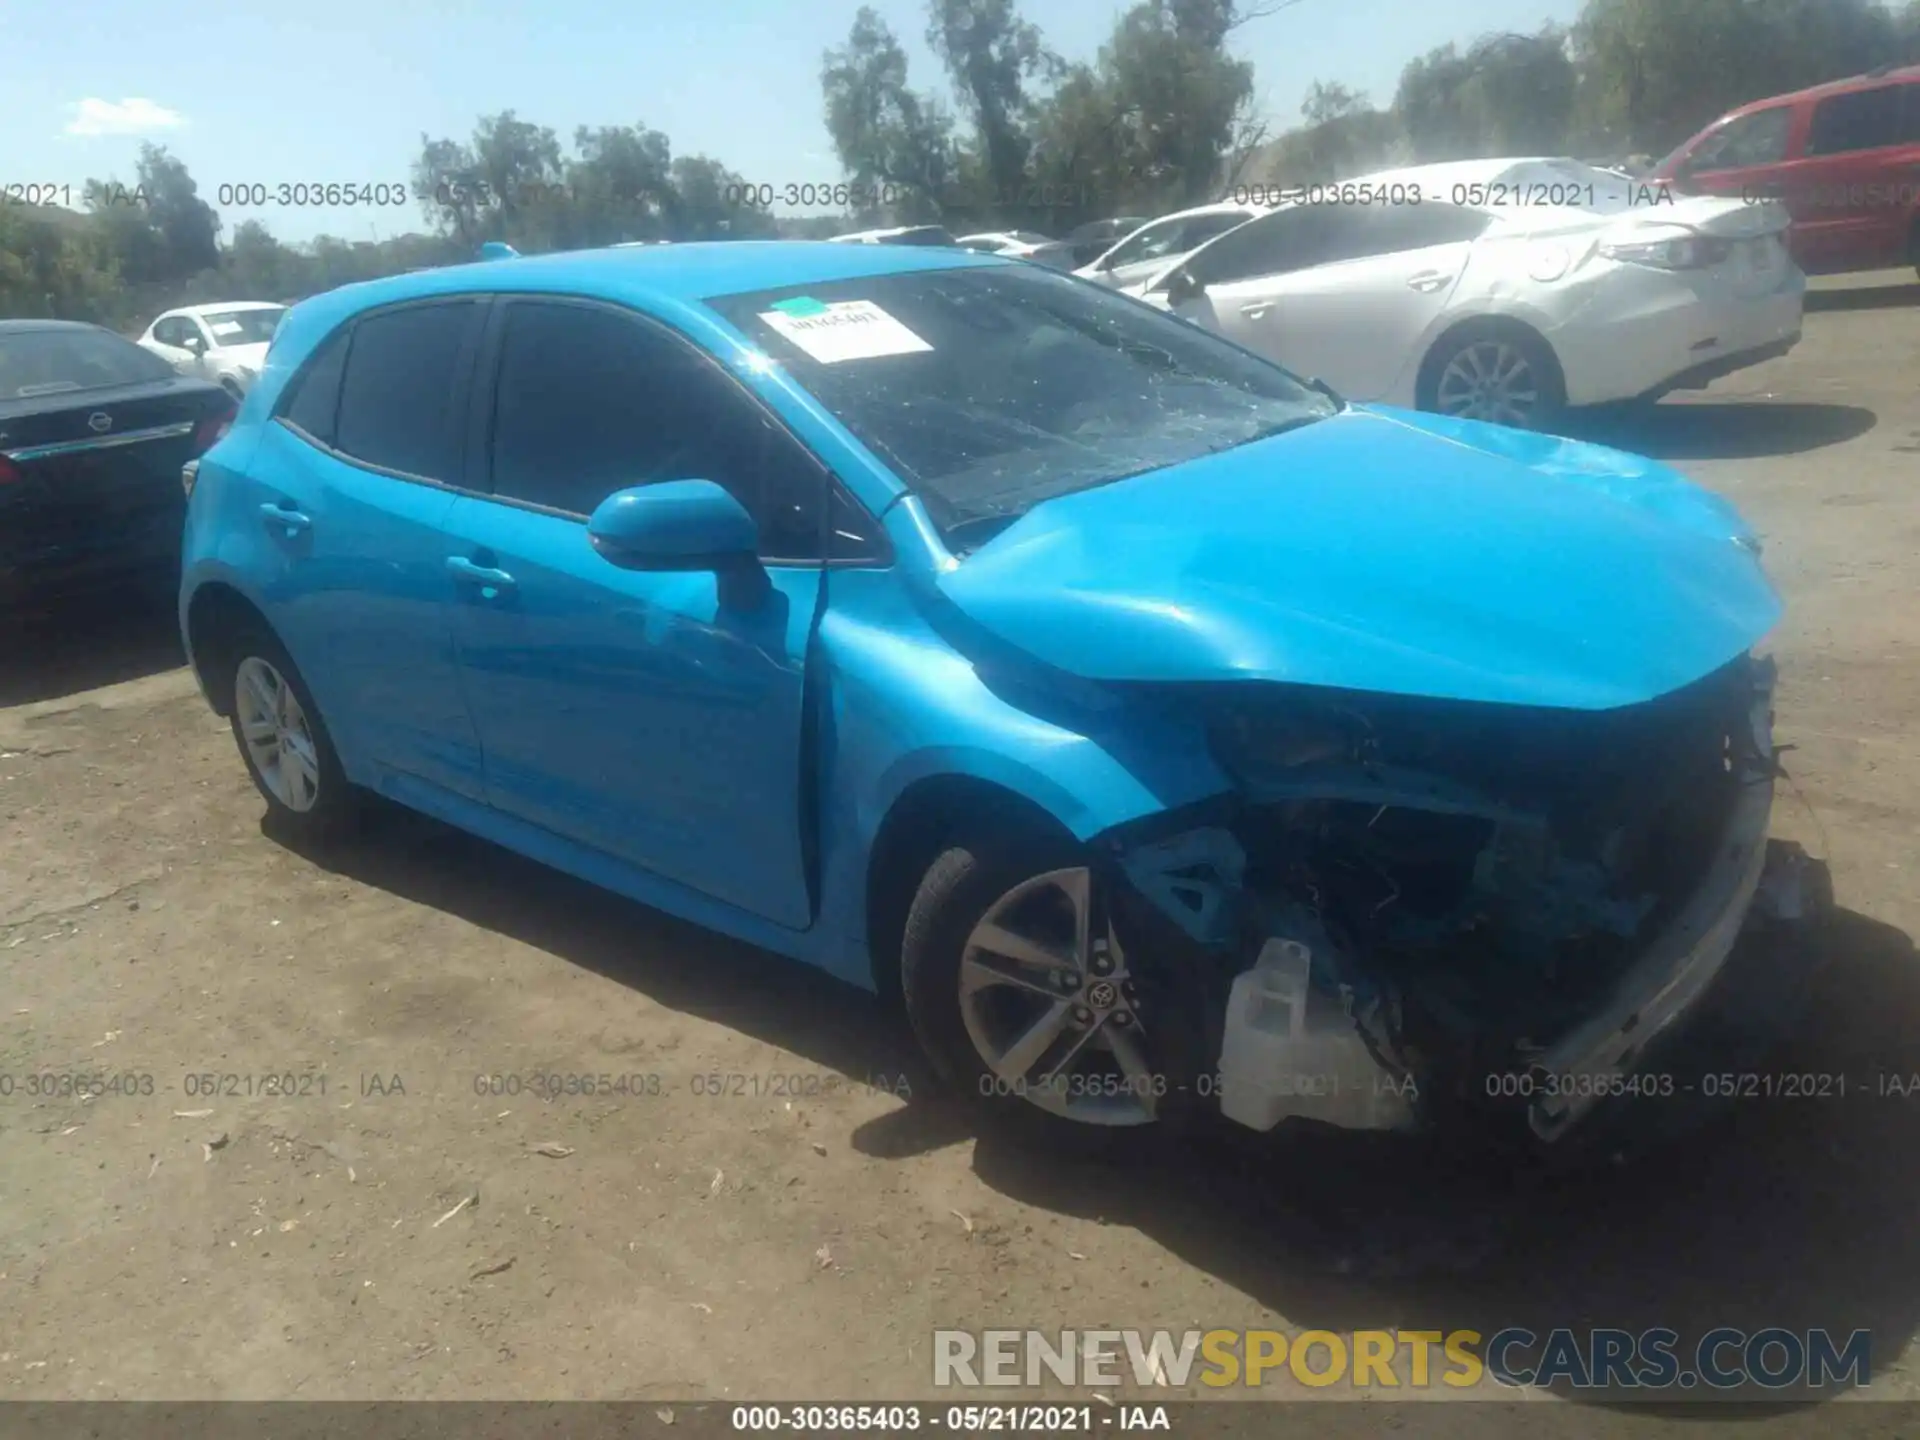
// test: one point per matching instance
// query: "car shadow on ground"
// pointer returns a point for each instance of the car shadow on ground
(1792, 1212)
(1877, 297)
(1722, 429)
(52, 651)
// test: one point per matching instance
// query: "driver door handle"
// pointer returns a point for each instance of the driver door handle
(1257, 309)
(284, 518)
(492, 582)
(1428, 281)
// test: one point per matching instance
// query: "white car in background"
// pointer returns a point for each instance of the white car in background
(898, 235)
(1158, 244)
(1028, 245)
(226, 343)
(1513, 290)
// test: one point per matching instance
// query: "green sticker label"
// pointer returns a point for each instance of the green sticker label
(799, 306)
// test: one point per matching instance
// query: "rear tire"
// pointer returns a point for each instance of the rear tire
(992, 1023)
(1499, 372)
(283, 741)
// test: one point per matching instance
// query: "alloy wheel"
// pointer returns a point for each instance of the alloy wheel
(279, 740)
(1050, 1005)
(1490, 380)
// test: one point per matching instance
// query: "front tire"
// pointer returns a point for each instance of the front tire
(1021, 996)
(284, 743)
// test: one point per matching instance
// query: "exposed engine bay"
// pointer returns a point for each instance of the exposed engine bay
(1414, 899)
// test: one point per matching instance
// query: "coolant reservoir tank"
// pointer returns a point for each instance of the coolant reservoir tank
(1290, 1050)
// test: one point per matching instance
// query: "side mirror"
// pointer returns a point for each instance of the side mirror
(674, 525)
(196, 344)
(1182, 287)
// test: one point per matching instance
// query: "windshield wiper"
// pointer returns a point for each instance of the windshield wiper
(974, 531)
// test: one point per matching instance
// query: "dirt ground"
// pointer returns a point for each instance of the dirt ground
(751, 1243)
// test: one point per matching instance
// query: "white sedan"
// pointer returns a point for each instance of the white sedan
(1028, 245)
(225, 343)
(1511, 290)
(1158, 244)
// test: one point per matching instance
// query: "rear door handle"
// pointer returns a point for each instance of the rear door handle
(493, 583)
(1427, 281)
(1257, 310)
(289, 521)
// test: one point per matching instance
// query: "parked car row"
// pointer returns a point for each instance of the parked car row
(1494, 309)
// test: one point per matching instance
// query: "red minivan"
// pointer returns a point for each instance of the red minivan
(1844, 158)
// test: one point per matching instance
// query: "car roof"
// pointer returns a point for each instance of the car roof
(661, 279)
(22, 327)
(1445, 174)
(1905, 75)
(223, 309)
(1219, 207)
(875, 235)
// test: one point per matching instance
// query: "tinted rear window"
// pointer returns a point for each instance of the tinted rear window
(313, 400)
(1864, 120)
(396, 400)
(53, 362)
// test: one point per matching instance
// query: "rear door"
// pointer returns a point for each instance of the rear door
(1358, 319)
(348, 491)
(1863, 159)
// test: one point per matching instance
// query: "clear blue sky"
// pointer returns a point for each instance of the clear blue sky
(341, 90)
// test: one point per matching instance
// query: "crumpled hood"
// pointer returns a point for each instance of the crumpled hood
(1387, 551)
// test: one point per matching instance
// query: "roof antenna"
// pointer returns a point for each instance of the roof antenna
(498, 250)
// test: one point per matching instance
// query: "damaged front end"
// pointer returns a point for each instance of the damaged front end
(1420, 914)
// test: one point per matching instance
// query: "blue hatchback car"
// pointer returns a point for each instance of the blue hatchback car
(1167, 735)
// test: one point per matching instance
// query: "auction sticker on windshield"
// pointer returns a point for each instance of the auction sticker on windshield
(846, 330)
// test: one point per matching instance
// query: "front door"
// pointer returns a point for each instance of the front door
(657, 717)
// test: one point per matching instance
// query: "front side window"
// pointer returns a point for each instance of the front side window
(1756, 139)
(993, 388)
(1203, 228)
(1152, 243)
(1863, 120)
(397, 395)
(590, 401)
(54, 361)
(1399, 229)
(1296, 238)
(175, 332)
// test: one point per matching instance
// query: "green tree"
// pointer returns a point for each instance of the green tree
(54, 264)
(1654, 72)
(189, 229)
(998, 65)
(1508, 95)
(1159, 120)
(885, 133)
